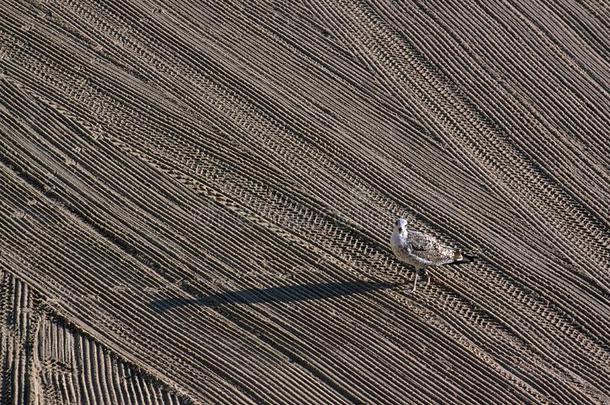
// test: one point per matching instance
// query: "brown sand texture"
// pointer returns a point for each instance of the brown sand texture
(196, 200)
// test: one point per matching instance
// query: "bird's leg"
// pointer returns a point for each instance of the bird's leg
(415, 283)
(427, 276)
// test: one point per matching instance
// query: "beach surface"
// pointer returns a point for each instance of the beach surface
(196, 201)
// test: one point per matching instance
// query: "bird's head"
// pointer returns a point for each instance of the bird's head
(400, 225)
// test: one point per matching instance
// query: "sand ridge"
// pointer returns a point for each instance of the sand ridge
(196, 199)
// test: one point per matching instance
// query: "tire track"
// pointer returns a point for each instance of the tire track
(571, 221)
(487, 88)
(306, 172)
(133, 330)
(19, 323)
(42, 362)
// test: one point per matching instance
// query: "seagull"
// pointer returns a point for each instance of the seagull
(421, 250)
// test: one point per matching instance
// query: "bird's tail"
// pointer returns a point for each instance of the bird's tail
(460, 257)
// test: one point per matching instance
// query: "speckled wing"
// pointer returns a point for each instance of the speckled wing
(427, 248)
(422, 242)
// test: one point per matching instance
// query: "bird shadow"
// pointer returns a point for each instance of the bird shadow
(290, 293)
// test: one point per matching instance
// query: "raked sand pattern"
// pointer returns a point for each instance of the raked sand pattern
(196, 200)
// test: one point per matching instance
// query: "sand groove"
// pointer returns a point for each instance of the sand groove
(205, 191)
(47, 362)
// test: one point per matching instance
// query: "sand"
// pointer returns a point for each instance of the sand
(196, 201)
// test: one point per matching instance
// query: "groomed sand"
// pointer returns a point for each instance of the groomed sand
(196, 200)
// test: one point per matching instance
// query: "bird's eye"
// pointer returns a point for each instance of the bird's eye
(397, 222)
